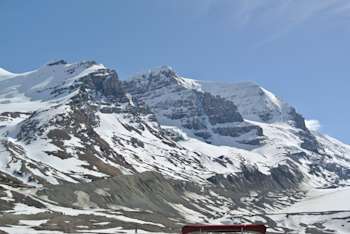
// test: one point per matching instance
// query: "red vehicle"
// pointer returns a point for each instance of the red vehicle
(241, 228)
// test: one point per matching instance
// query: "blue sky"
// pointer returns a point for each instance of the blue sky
(298, 49)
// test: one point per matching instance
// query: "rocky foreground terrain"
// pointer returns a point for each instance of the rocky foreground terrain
(82, 151)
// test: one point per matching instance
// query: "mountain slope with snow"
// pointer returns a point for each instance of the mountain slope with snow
(281, 139)
(74, 138)
(5, 74)
(75, 123)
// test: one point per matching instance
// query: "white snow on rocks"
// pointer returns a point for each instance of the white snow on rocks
(148, 149)
(252, 101)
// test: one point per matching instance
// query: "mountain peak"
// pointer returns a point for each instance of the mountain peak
(163, 76)
(164, 71)
(57, 62)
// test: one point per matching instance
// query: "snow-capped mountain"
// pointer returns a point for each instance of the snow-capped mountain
(155, 151)
(74, 122)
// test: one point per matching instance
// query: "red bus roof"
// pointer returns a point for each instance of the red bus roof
(259, 228)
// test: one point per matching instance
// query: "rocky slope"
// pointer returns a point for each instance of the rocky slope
(200, 114)
(80, 146)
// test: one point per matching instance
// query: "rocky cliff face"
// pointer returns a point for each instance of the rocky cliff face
(177, 103)
(79, 146)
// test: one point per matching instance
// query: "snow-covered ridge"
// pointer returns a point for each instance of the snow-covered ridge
(28, 91)
(254, 102)
(5, 74)
(59, 71)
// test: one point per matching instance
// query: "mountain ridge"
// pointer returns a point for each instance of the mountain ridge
(71, 127)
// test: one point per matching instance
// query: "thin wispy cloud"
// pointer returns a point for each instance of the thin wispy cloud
(313, 124)
(274, 17)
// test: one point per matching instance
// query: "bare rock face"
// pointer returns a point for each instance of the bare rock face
(297, 119)
(57, 62)
(237, 131)
(219, 110)
(104, 81)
